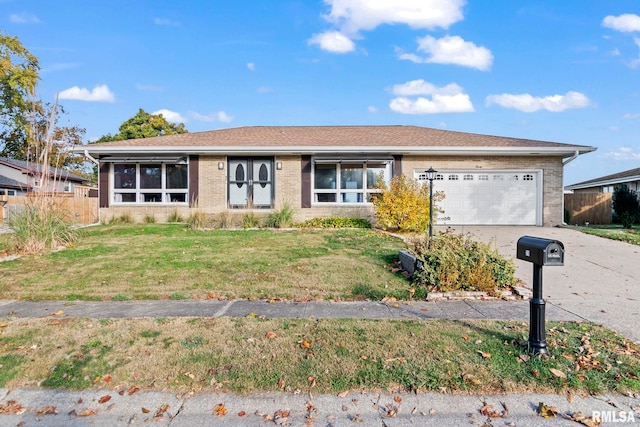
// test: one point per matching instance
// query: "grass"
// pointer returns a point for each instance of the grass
(324, 356)
(173, 261)
(614, 232)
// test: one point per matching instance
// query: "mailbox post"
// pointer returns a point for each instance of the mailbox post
(540, 252)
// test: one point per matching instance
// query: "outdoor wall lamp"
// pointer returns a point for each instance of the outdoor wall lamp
(279, 165)
(220, 165)
(431, 175)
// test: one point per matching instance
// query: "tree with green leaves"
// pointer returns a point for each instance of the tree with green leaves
(19, 75)
(144, 125)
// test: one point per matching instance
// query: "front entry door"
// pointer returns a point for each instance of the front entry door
(250, 183)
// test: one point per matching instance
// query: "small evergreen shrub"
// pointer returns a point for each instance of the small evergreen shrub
(280, 218)
(335, 222)
(626, 206)
(455, 262)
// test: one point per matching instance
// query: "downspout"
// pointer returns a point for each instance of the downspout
(97, 163)
(564, 163)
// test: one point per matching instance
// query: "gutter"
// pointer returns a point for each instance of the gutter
(93, 160)
(572, 158)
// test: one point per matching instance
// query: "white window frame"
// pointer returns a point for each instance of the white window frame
(340, 192)
(116, 193)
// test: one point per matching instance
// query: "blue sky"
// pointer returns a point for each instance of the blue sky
(563, 71)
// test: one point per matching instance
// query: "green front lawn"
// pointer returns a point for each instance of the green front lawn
(155, 261)
(614, 232)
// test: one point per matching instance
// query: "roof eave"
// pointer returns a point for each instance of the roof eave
(603, 183)
(406, 150)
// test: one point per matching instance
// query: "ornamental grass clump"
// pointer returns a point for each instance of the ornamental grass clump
(456, 262)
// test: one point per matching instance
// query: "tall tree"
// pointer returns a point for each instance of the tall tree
(144, 125)
(19, 75)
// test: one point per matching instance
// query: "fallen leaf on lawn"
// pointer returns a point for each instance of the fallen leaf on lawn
(106, 378)
(3, 325)
(466, 337)
(211, 295)
(47, 410)
(305, 344)
(547, 411)
(558, 373)
(270, 335)
(145, 410)
(484, 354)
(87, 413)
(392, 410)
(220, 410)
(104, 399)
(524, 357)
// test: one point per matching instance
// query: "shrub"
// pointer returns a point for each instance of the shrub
(197, 220)
(251, 220)
(457, 262)
(403, 205)
(626, 206)
(174, 216)
(150, 219)
(335, 222)
(281, 218)
(40, 226)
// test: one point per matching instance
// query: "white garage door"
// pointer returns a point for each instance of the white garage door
(488, 197)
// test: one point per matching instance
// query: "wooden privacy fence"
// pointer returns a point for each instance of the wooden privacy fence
(81, 210)
(594, 208)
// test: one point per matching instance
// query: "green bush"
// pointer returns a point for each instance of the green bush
(335, 222)
(251, 220)
(280, 218)
(626, 206)
(456, 262)
(174, 216)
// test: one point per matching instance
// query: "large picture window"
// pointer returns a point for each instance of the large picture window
(150, 183)
(348, 181)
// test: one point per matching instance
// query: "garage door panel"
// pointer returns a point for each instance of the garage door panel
(495, 198)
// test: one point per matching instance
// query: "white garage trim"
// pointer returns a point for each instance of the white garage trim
(488, 197)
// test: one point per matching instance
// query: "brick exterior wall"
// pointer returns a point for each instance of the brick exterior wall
(212, 187)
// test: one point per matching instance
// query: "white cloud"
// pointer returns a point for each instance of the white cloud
(372, 109)
(352, 16)
(437, 104)
(529, 103)
(265, 89)
(624, 153)
(99, 93)
(166, 22)
(251, 66)
(333, 41)
(421, 87)
(170, 116)
(447, 99)
(631, 116)
(219, 116)
(24, 18)
(626, 23)
(60, 66)
(636, 62)
(451, 50)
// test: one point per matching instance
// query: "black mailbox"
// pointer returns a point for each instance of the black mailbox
(540, 251)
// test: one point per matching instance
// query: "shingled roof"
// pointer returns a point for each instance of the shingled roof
(324, 138)
(34, 168)
(626, 176)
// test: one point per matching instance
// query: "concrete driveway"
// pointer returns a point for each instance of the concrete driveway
(600, 279)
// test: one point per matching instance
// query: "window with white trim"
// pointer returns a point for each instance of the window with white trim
(348, 181)
(150, 183)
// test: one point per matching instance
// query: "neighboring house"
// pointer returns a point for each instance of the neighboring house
(18, 177)
(608, 183)
(332, 170)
